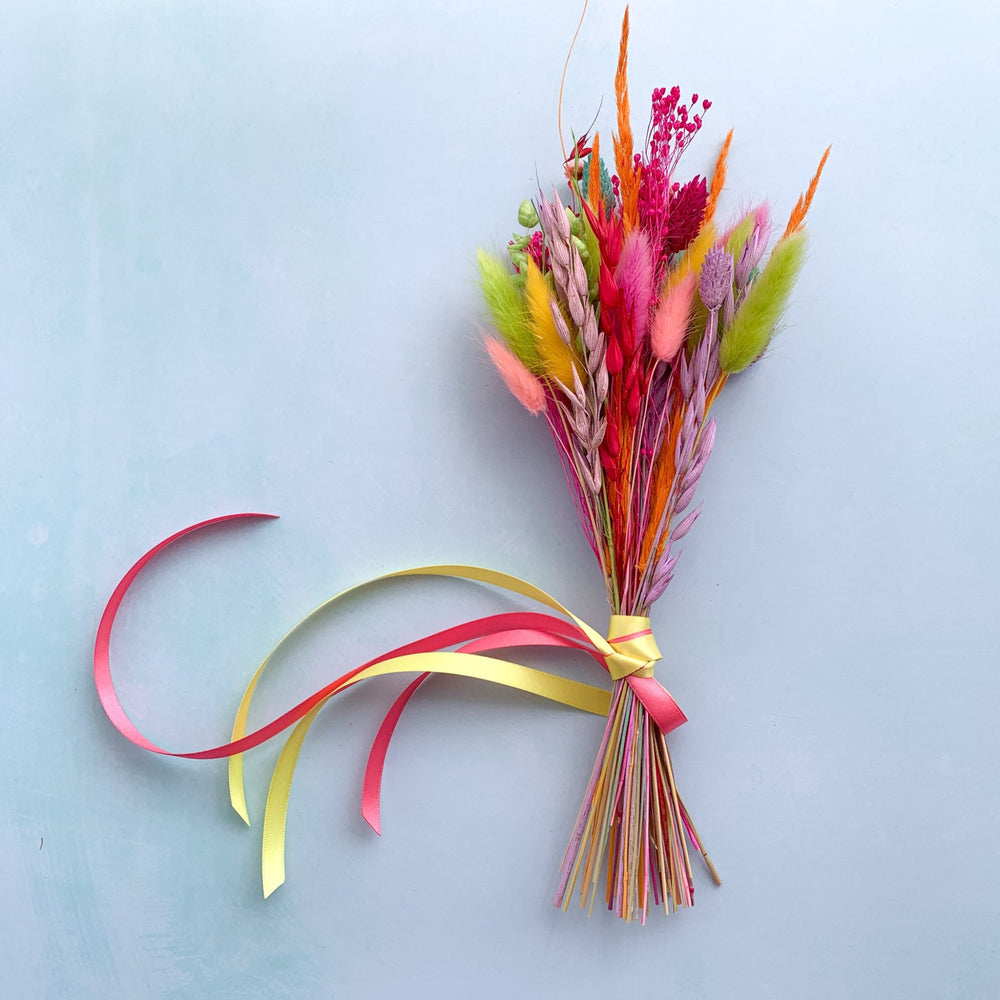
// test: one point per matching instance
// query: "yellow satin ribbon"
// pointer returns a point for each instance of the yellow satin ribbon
(633, 653)
(635, 649)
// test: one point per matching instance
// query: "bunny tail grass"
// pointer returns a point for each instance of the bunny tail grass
(507, 307)
(671, 319)
(554, 354)
(525, 388)
(740, 233)
(752, 328)
(634, 277)
(694, 256)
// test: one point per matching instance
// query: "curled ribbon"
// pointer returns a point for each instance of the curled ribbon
(628, 654)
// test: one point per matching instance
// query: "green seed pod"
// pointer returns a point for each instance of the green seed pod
(526, 215)
(519, 259)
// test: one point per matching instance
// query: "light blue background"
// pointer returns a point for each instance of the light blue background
(235, 274)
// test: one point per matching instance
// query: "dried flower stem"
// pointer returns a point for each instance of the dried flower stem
(630, 312)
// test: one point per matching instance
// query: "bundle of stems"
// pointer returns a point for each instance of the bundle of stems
(633, 816)
(621, 316)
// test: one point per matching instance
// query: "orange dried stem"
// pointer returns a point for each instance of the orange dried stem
(674, 799)
(663, 476)
(713, 393)
(718, 180)
(623, 139)
(798, 216)
(627, 174)
(664, 472)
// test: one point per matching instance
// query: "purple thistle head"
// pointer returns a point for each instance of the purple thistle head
(716, 280)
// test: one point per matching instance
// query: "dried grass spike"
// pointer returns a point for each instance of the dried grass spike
(753, 326)
(624, 165)
(798, 216)
(507, 307)
(718, 180)
(555, 356)
(670, 321)
(525, 388)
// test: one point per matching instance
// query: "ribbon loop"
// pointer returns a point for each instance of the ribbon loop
(629, 653)
(634, 650)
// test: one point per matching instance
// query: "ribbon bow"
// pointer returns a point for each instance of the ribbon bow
(628, 654)
(635, 649)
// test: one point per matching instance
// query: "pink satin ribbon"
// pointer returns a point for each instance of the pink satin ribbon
(492, 633)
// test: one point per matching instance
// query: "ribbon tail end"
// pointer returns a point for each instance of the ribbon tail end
(373, 819)
(270, 884)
